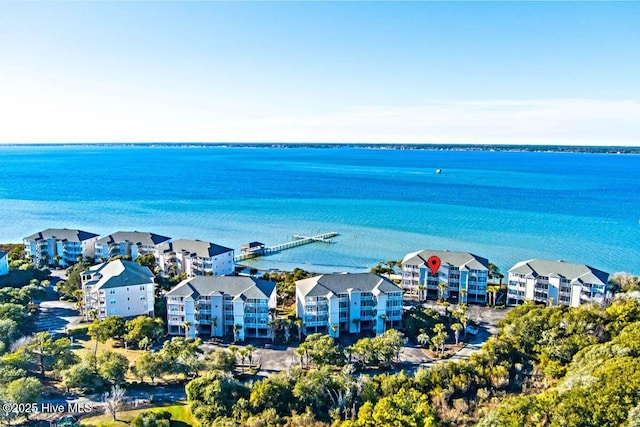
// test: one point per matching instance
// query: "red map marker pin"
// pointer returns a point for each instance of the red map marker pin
(434, 264)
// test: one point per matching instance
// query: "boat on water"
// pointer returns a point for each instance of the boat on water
(438, 171)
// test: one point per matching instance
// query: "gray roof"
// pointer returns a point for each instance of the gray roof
(63, 234)
(135, 237)
(579, 273)
(456, 259)
(194, 248)
(327, 284)
(238, 286)
(117, 274)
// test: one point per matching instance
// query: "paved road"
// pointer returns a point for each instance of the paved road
(55, 316)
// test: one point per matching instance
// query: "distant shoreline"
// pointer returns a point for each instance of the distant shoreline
(433, 147)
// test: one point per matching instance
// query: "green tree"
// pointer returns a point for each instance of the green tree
(141, 327)
(147, 260)
(24, 390)
(152, 419)
(213, 395)
(322, 350)
(113, 366)
(115, 327)
(150, 365)
(406, 408)
(100, 331)
(221, 360)
(9, 331)
(72, 287)
(272, 392)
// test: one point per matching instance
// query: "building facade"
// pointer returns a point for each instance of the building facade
(461, 277)
(557, 283)
(4, 263)
(195, 258)
(352, 303)
(55, 246)
(119, 287)
(129, 243)
(214, 306)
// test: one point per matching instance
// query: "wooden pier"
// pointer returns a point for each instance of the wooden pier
(298, 240)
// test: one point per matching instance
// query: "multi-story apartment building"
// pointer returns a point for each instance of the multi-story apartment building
(213, 306)
(129, 243)
(60, 246)
(4, 263)
(195, 258)
(119, 287)
(334, 303)
(462, 276)
(557, 283)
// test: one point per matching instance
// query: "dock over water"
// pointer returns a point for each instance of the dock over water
(298, 240)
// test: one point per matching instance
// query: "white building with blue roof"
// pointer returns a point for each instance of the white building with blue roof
(119, 287)
(214, 306)
(352, 303)
(557, 283)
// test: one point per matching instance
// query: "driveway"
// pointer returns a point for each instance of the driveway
(56, 316)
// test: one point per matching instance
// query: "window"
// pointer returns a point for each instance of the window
(112, 301)
(142, 288)
(112, 291)
(142, 298)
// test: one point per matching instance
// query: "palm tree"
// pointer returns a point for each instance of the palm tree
(383, 317)
(334, 329)
(273, 324)
(243, 353)
(300, 352)
(423, 339)
(442, 286)
(491, 293)
(440, 337)
(457, 328)
(234, 350)
(287, 329)
(214, 321)
(299, 323)
(463, 296)
(494, 273)
(250, 349)
(236, 331)
(187, 327)
(356, 323)
(421, 292)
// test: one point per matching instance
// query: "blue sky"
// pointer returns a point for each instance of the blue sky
(489, 72)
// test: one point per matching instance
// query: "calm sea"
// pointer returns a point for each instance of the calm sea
(506, 206)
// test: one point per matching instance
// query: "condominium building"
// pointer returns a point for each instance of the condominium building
(557, 283)
(119, 287)
(195, 258)
(334, 303)
(128, 243)
(461, 276)
(55, 246)
(213, 306)
(4, 263)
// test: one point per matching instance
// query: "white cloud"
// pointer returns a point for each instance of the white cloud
(37, 112)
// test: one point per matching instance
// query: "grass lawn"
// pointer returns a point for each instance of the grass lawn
(86, 345)
(180, 417)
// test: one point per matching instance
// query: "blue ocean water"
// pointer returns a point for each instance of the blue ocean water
(506, 206)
